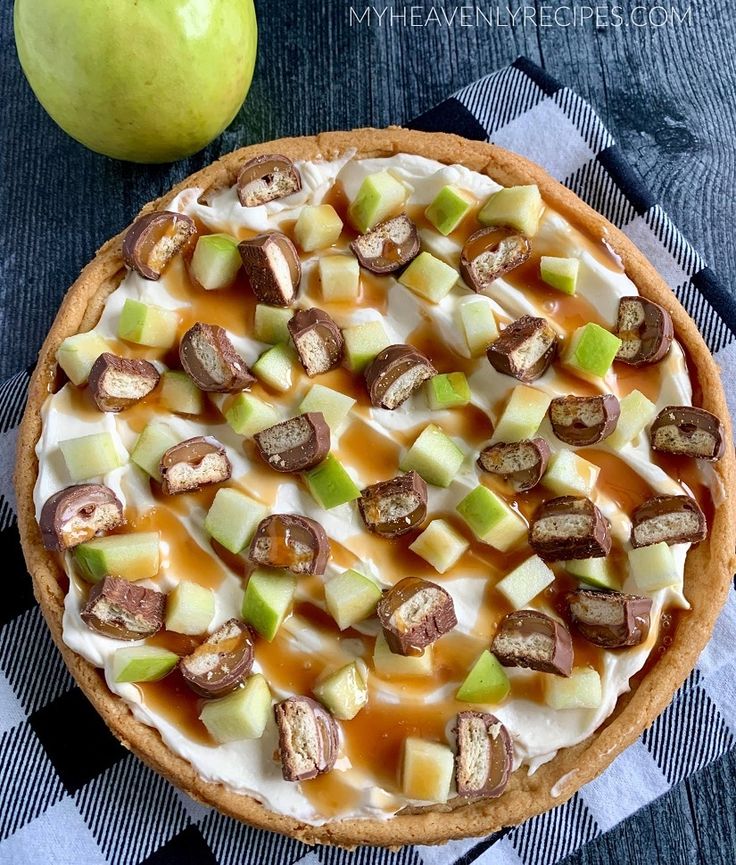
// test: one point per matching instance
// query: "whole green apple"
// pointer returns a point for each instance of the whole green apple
(142, 80)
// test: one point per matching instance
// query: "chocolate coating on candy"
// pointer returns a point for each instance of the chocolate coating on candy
(690, 431)
(413, 614)
(309, 738)
(394, 507)
(123, 610)
(672, 519)
(154, 239)
(317, 339)
(387, 247)
(295, 445)
(116, 383)
(77, 513)
(611, 620)
(525, 349)
(520, 464)
(584, 420)
(211, 361)
(395, 373)
(290, 541)
(491, 252)
(219, 664)
(484, 755)
(645, 329)
(267, 178)
(272, 265)
(192, 464)
(534, 640)
(569, 527)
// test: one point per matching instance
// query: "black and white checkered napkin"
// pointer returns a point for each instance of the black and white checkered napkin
(71, 795)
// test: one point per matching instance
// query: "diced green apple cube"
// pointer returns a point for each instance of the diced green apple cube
(519, 207)
(248, 415)
(596, 572)
(276, 367)
(91, 455)
(654, 567)
(522, 416)
(241, 715)
(440, 545)
(232, 518)
(426, 770)
(582, 690)
(150, 446)
(560, 273)
(569, 474)
(145, 324)
(339, 276)
(448, 390)
(637, 412)
(216, 261)
(429, 277)
(351, 597)
(330, 484)
(134, 556)
(180, 394)
(363, 342)
(317, 227)
(190, 608)
(77, 354)
(486, 681)
(380, 196)
(434, 456)
(491, 519)
(591, 350)
(478, 324)
(267, 600)
(388, 665)
(335, 406)
(525, 582)
(142, 664)
(449, 208)
(345, 691)
(270, 323)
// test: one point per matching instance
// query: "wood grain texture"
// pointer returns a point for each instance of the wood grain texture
(666, 93)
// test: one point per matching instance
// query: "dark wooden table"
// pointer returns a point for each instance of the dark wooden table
(668, 93)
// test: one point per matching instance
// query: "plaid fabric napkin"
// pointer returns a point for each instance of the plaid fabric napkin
(71, 795)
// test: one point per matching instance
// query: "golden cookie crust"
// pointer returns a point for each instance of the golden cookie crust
(572, 767)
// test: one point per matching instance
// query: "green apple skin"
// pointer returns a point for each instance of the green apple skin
(486, 681)
(152, 81)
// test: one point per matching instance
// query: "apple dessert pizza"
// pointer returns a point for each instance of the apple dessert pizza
(374, 488)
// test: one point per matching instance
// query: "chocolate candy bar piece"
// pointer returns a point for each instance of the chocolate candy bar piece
(491, 252)
(267, 178)
(611, 620)
(693, 432)
(77, 513)
(290, 541)
(584, 420)
(393, 508)
(484, 755)
(569, 527)
(220, 664)
(672, 519)
(645, 329)
(415, 613)
(525, 349)
(193, 464)
(534, 640)
(123, 610)
(317, 339)
(395, 373)
(119, 382)
(154, 239)
(520, 464)
(272, 265)
(309, 738)
(295, 445)
(387, 247)
(210, 359)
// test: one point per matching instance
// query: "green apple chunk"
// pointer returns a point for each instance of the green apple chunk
(594, 572)
(560, 273)
(330, 484)
(434, 456)
(248, 415)
(388, 665)
(519, 207)
(440, 545)
(569, 474)
(486, 681)
(582, 690)
(77, 354)
(134, 556)
(232, 518)
(335, 406)
(522, 416)
(654, 567)
(345, 691)
(449, 208)
(267, 600)
(270, 323)
(363, 342)
(525, 582)
(145, 324)
(351, 597)
(429, 277)
(317, 227)
(491, 519)
(142, 664)
(180, 394)
(150, 446)
(276, 367)
(216, 261)
(448, 390)
(591, 350)
(241, 715)
(190, 608)
(380, 196)
(478, 324)
(637, 412)
(339, 276)
(426, 770)
(91, 456)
